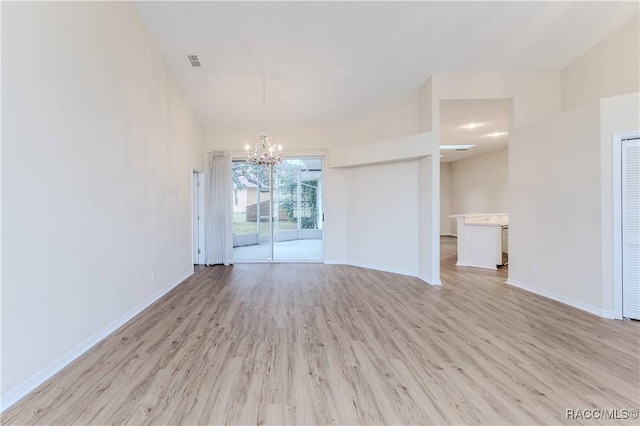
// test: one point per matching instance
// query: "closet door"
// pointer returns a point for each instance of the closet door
(631, 228)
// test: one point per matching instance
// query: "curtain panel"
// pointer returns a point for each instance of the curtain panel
(218, 210)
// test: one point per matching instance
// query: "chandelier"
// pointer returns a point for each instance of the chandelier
(264, 153)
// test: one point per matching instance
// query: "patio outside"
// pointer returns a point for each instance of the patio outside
(294, 206)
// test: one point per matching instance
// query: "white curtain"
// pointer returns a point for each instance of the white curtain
(218, 210)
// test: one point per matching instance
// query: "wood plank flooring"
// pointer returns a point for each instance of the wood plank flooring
(330, 344)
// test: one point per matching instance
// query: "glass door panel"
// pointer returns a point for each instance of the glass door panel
(297, 210)
(251, 212)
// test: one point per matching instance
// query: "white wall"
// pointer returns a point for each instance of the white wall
(617, 114)
(336, 198)
(98, 145)
(425, 107)
(401, 119)
(479, 184)
(445, 199)
(610, 68)
(554, 195)
(411, 117)
(560, 188)
(382, 217)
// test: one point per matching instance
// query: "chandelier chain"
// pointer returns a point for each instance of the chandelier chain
(264, 153)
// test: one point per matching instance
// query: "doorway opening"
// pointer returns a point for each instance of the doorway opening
(474, 161)
(277, 213)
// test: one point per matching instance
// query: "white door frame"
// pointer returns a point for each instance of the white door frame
(197, 203)
(617, 218)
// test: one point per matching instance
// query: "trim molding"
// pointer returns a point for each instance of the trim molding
(429, 281)
(334, 262)
(562, 299)
(608, 314)
(20, 391)
(384, 269)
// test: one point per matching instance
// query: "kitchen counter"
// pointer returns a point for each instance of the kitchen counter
(481, 239)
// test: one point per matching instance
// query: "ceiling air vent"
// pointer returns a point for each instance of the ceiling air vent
(193, 60)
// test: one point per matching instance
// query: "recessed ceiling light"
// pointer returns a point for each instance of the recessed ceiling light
(456, 147)
(472, 125)
(496, 134)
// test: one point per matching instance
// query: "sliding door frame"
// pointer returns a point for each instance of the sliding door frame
(321, 158)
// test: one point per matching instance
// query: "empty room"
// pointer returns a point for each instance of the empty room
(337, 212)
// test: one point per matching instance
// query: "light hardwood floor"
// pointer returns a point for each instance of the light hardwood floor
(316, 344)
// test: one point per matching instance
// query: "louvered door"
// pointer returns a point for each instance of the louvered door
(631, 228)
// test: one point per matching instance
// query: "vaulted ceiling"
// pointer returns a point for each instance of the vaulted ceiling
(330, 62)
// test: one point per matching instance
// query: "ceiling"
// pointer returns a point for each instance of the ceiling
(492, 115)
(330, 62)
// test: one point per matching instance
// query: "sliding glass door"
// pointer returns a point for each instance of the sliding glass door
(278, 213)
(251, 212)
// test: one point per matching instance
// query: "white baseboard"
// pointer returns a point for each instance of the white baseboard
(608, 314)
(385, 269)
(400, 271)
(20, 391)
(562, 299)
(430, 281)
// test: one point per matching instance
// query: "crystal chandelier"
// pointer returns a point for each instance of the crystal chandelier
(264, 153)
